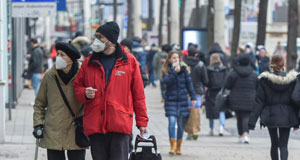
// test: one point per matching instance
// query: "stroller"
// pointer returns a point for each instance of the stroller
(146, 153)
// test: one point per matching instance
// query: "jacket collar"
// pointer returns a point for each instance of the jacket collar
(53, 72)
(121, 56)
(277, 79)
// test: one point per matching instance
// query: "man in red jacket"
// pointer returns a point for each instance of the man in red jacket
(110, 84)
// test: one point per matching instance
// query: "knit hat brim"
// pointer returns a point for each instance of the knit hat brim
(69, 49)
(110, 30)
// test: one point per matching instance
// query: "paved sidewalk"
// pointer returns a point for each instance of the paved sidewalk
(20, 144)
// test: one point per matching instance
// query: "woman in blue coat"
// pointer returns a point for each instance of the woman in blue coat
(178, 85)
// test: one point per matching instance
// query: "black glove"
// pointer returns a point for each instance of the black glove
(38, 132)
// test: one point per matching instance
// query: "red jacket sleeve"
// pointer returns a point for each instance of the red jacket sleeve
(79, 86)
(138, 95)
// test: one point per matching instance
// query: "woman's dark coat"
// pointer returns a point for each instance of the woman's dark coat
(273, 102)
(216, 76)
(178, 85)
(242, 83)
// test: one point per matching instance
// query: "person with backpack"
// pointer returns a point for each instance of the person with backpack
(242, 83)
(51, 115)
(178, 86)
(275, 106)
(199, 76)
(216, 77)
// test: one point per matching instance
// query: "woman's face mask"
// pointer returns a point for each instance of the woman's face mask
(98, 46)
(60, 63)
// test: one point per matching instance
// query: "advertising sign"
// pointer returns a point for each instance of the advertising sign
(33, 8)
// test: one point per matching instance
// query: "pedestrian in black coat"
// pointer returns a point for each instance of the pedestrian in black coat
(241, 82)
(274, 105)
(216, 77)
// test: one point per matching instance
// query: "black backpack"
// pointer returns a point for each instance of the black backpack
(147, 151)
(216, 77)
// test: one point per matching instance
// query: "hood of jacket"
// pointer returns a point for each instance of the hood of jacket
(279, 81)
(215, 49)
(243, 71)
(191, 61)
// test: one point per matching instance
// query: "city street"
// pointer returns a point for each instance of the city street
(20, 144)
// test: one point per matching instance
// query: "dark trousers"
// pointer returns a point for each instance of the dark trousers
(60, 155)
(279, 141)
(110, 146)
(242, 121)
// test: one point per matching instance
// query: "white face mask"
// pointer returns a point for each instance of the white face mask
(60, 63)
(98, 46)
(248, 50)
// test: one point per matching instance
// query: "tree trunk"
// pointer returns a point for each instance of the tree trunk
(130, 19)
(210, 22)
(150, 15)
(115, 10)
(169, 21)
(292, 34)
(137, 22)
(197, 4)
(237, 27)
(219, 23)
(182, 10)
(160, 26)
(174, 31)
(262, 22)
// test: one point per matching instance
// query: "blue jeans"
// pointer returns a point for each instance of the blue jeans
(198, 102)
(221, 120)
(36, 80)
(172, 124)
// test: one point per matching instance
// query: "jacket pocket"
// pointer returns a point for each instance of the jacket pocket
(118, 120)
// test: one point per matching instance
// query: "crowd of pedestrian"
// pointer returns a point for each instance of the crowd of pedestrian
(105, 80)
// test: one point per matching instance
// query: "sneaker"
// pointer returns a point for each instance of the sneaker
(246, 139)
(211, 133)
(221, 131)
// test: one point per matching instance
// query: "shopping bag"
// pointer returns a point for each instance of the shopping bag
(193, 124)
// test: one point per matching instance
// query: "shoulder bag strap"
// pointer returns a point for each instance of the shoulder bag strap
(64, 97)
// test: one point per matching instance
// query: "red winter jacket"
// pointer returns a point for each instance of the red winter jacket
(112, 108)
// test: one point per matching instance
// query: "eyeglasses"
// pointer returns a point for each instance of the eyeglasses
(98, 36)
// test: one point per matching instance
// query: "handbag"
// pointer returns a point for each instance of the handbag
(26, 74)
(222, 100)
(80, 137)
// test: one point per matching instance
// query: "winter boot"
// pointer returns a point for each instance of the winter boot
(178, 147)
(172, 143)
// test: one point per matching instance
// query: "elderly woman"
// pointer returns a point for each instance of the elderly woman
(51, 114)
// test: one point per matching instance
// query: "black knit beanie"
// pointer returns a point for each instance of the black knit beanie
(110, 30)
(69, 49)
(244, 59)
